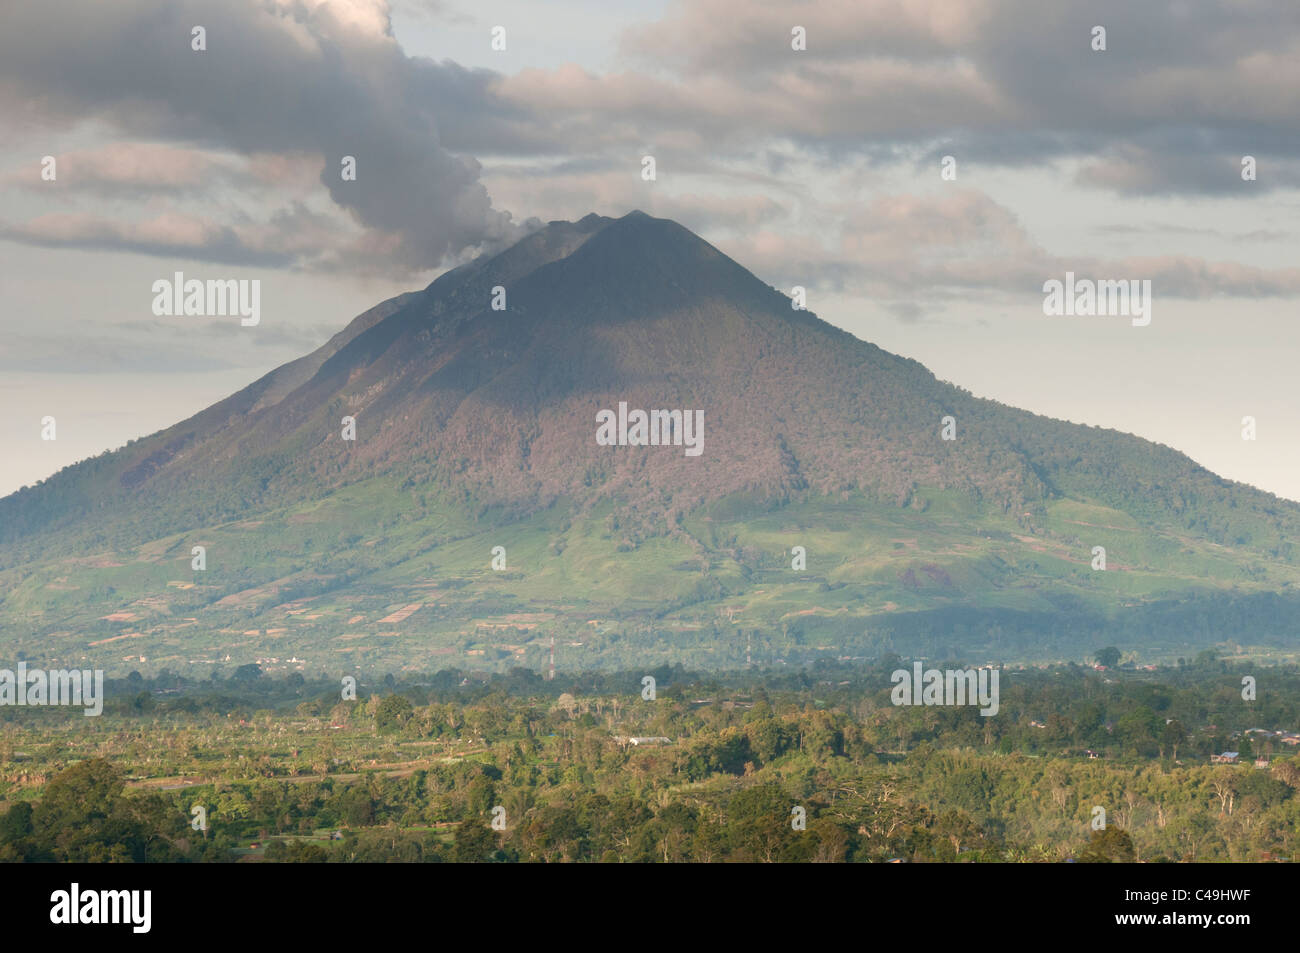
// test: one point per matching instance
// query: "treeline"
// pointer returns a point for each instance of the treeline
(1190, 710)
(800, 768)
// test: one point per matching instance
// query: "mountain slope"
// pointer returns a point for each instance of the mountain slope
(472, 420)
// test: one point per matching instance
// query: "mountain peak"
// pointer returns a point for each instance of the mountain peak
(642, 258)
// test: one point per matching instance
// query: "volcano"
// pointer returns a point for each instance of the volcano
(349, 505)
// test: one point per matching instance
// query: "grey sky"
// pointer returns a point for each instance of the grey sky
(817, 167)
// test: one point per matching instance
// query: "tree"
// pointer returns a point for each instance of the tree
(1193, 830)
(393, 712)
(1173, 736)
(15, 833)
(247, 674)
(768, 739)
(356, 807)
(1109, 656)
(16, 822)
(1112, 845)
(758, 823)
(84, 815)
(473, 842)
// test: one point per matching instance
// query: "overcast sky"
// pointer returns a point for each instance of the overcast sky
(817, 167)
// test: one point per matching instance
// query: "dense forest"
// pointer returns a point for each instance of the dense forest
(1083, 764)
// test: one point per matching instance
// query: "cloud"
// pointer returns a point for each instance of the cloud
(1254, 235)
(1136, 170)
(908, 312)
(286, 88)
(159, 345)
(308, 77)
(168, 235)
(430, 10)
(717, 36)
(929, 248)
(1168, 108)
(129, 168)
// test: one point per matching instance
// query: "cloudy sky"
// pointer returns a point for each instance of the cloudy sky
(818, 167)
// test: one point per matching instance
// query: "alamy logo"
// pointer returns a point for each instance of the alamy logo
(213, 298)
(657, 428)
(1127, 298)
(952, 687)
(58, 687)
(103, 906)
